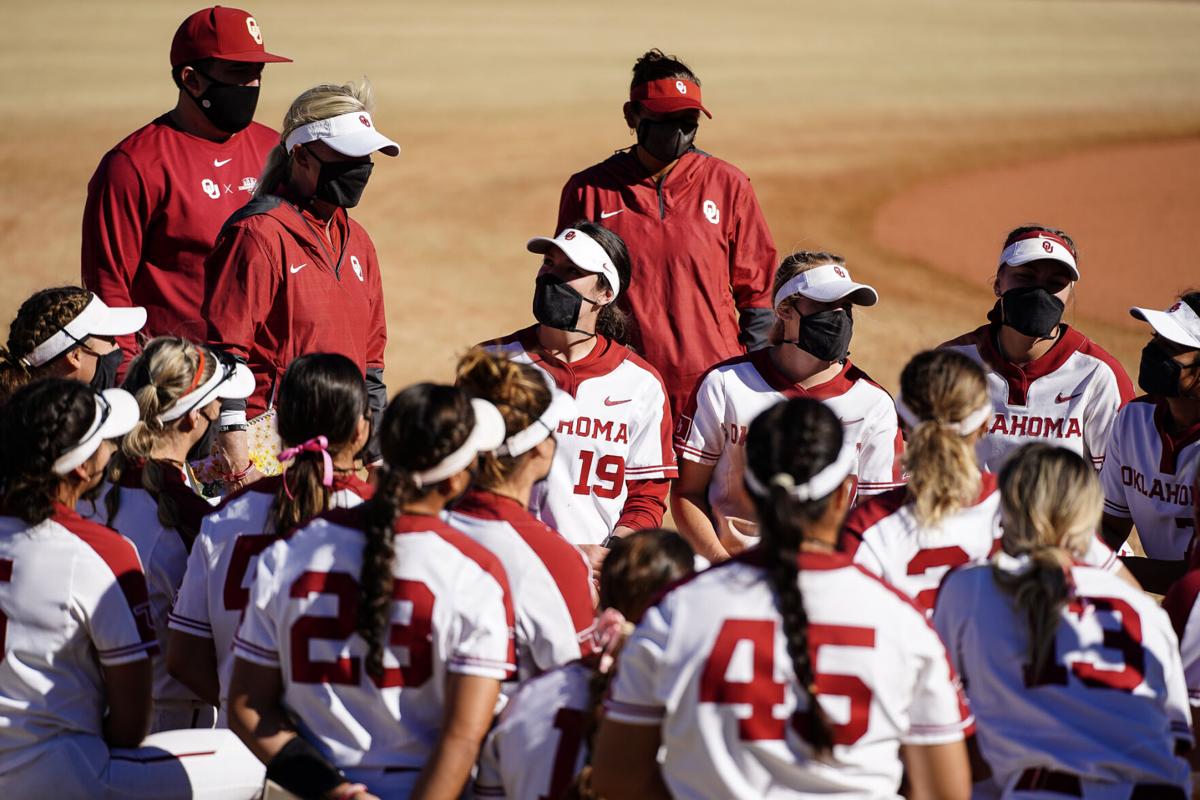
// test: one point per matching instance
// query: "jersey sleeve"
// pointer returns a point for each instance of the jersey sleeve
(1115, 502)
(949, 619)
(257, 637)
(190, 612)
(645, 504)
(879, 460)
(241, 281)
(637, 697)
(112, 599)
(483, 645)
(377, 338)
(699, 436)
(557, 639)
(1101, 556)
(1179, 710)
(751, 253)
(939, 713)
(1181, 607)
(1112, 392)
(115, 217)
(650, 453)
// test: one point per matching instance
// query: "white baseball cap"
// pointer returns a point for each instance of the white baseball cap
(582, 250)
(350, 134)
(96, 319)
(827, 284)
(116, 414)
(1039, 244)
(1179, 323)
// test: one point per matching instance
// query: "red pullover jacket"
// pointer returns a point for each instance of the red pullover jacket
(700, 252)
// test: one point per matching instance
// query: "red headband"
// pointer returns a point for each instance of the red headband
(668, 95)
(199, 373)
(1041, 233)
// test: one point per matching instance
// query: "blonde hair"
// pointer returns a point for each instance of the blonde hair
(792, 265)
(942, 388)
(161, 374)
(322, 101)
(518, 391)
(1050, 505)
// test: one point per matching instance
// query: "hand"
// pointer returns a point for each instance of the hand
(350, 791)
(595, 555)
(233, 450)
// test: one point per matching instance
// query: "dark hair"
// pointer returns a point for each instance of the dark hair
(1192, 298)
(422, 425)
(1032, 227)
(40, 422)
(640, 565)
(519, 393)
(39, 318)
(321, 394)
(655, 65)
(612, 322)
(790, 443)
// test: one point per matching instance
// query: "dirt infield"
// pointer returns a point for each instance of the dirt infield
(833, 109)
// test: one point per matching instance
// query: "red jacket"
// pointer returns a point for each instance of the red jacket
(700, 252)
(154, 207)
(277, 288)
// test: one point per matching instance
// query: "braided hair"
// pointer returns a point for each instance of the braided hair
(421, 426)
(39, 318)
(40, 422)
(788, 444)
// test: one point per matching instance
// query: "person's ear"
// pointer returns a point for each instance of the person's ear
(74, 358)
(456, 484)
(632, 117)
(362, 432)
(787, 312)
(191, 81)
(839, 504)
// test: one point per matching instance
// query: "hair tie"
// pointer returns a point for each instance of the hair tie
(317, 444)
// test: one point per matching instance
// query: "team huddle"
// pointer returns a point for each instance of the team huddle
(232, 566)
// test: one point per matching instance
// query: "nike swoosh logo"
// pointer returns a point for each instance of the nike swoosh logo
(608, 401)
(219, 163)
(1061, 399)
(297, 268)
(607, 214)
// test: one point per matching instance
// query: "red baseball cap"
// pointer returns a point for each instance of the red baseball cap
(229, 34)
(668, 95)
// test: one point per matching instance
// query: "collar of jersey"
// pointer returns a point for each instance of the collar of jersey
(485, 504)
(834, 387)
(606, 356)
(1067, 345)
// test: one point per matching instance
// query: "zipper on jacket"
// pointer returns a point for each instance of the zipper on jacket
(322, 240)
(662, 203)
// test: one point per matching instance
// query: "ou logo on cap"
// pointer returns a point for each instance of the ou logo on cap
(681, 87)
(363, 119)
(1048, 247)
(569, 235)
(252, 27)
(1174, 308)
(841, 273)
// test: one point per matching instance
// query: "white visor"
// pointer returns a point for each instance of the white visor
(964, 427)
(350, 134)
(486, 436)
(116, 414)
(96, 319)
(1179, 323)
(583, 251)
(827, 284)
(562, 406)
(1035, 246)
(818, 485)
(231, 380)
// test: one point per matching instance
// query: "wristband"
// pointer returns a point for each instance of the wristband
(302, 770)
(609, 540)
(235, 426)
(234, 477)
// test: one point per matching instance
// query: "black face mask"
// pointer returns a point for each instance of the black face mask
(666, 140)
(1031, 311)
(556, 304)
(826, 335)
(228, 106)
(1159, 373)
(342, 182)
(106, 370)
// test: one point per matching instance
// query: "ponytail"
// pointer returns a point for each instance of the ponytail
(376, 580)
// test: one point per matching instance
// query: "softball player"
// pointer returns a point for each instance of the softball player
(543, 739)
(786, 670)
(376, 637)
(75, 629)
(614, 459)
(323, 421)
(65, 332)
(152, 499)
(1181, 606)
(1155, 446)
(808, 357)
(550, 580)
(1048, 381)
(1074, 676)
(701, 248)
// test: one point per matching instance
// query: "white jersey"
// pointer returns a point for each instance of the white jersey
(72, 599)
(709, 664)
(537, 747)
(1148, 474)
(451, 613)
(621, 434)
(712, 428)
(1181, 606)
(224, 557)
(1069, 397)
(885, 538)
(549, 578)
(1110, 706)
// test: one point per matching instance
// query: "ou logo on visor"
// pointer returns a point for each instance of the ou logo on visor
(681, 87)
(841, 273)
(252, 27)
(1048, 247)
(711, 212)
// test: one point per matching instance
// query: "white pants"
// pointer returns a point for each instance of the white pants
(202, 764)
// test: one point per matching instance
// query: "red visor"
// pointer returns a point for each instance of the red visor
(668, 95)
